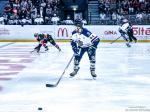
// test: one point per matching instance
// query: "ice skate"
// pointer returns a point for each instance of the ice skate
(74, 72)
(128, 45)
(93, 74)
(135, 40)
(46, 48)
(36, 50)
(33, 51)
(59, 49)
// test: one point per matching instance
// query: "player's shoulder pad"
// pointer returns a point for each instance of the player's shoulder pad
(86, 32)
(74, 32)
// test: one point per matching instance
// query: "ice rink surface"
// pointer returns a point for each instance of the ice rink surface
(122, 85)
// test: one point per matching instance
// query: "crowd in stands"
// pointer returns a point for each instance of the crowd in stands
(31, 12)
(47, 12)
(136, 10)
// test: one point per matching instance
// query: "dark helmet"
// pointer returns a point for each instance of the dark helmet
(78, 23)
(36, 34)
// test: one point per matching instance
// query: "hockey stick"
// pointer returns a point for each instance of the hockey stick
(115, 40)
(54, 85)
(32, 51)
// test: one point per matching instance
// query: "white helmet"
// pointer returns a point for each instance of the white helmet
(124, 20)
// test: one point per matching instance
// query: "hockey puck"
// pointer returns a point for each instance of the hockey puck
(40, 108)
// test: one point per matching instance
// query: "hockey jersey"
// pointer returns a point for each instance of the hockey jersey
(125, 27)
(83, 38)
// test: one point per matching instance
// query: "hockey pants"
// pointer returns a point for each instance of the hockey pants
(131, 36)
(91, 54)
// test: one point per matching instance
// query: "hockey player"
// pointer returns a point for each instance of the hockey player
(43, 39)
(48, 38)
(83, 41)
(126, 32)
(40, 39)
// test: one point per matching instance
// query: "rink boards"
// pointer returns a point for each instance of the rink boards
(63, 32)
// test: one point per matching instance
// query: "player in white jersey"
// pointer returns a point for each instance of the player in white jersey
(126, 32)
(83, 41)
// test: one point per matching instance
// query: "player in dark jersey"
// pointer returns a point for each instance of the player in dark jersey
(40, 38)
(83, 41)
(48, 38)
(43, 39)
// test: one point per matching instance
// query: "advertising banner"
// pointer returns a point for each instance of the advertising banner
(63, 32)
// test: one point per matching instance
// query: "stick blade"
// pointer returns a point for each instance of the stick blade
(50, 85)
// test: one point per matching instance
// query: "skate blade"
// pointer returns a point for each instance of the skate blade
(71, 76)
(94, 78)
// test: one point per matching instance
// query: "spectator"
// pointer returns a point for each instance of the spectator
(43, 10)
(101, 7)
(11, 2)
(125, 6)
(39, 20)
(84, 22)
(131, 9)
(33, 14)
(102, 17)
(24, 5)
(8, 10)
(148, 16)
(68, 21)
(30, 5)
(147, 6)
(48, 11)
(23, 13)
(16, 19)
(5, 18)
(1, 20)
(139, 17)
(47, 8)
(136, 6)
(114, 17)
(55, 19)
(11, 21)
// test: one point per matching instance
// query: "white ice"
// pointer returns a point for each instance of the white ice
(123, 81)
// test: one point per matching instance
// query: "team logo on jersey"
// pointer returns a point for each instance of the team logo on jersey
(62, 32)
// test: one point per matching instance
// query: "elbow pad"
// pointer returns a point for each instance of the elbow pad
(95, 43)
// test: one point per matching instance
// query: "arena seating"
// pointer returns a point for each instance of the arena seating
(47, 11)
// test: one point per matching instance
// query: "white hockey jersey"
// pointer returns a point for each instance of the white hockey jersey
(84, 38)
(124, 27)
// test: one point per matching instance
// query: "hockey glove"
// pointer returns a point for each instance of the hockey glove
(75, 48)
(95, 42)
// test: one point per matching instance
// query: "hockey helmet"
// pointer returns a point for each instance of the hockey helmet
(36, 34)
(124, 20)
(78, 23)
(45, 34)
